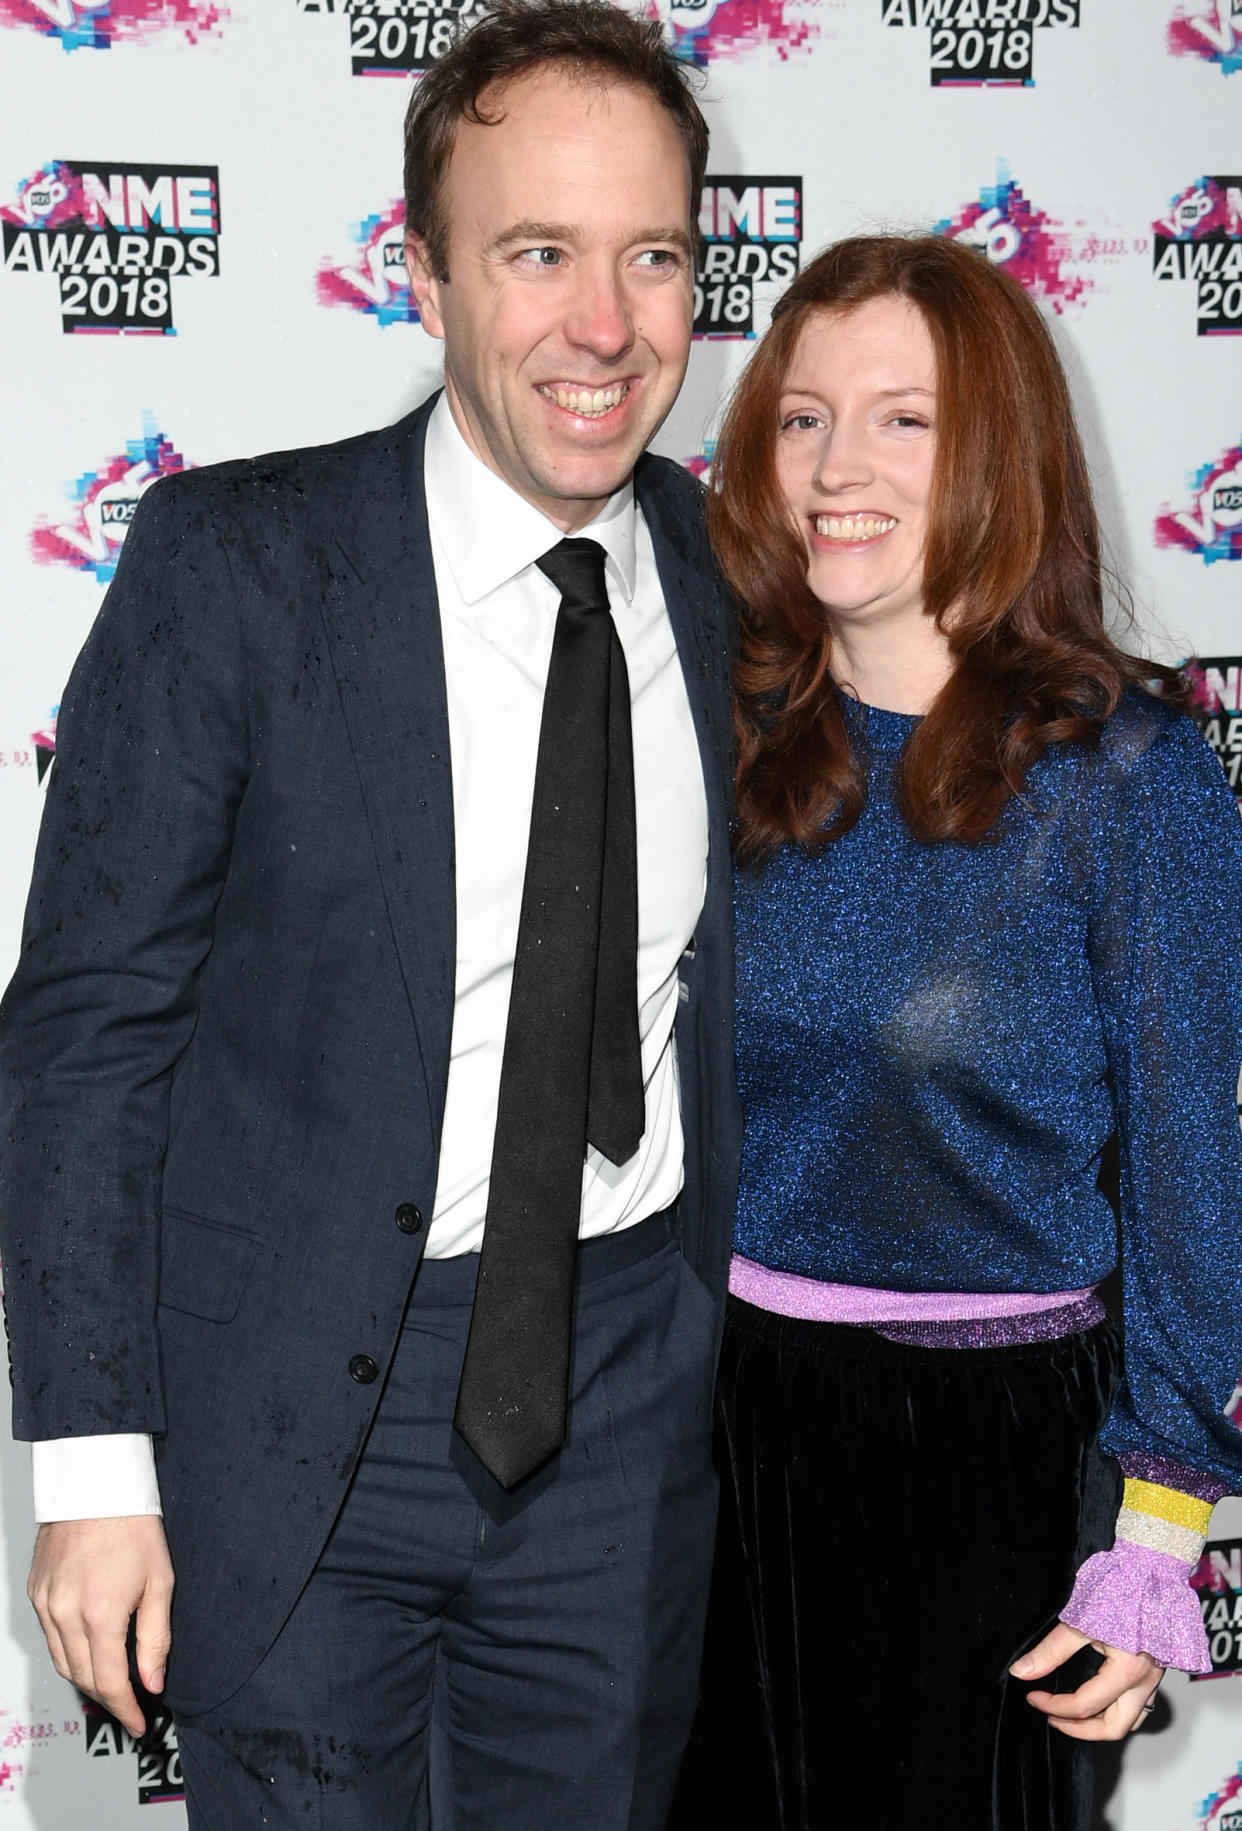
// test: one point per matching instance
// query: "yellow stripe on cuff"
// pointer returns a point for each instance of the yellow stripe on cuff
(1168, 1503)
(1160, 1535)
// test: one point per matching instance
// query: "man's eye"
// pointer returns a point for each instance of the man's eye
(657, 257)
(542, 257)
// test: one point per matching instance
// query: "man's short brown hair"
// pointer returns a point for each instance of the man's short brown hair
(591, 37)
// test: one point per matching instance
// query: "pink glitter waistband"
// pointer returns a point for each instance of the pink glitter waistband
(787, 1294)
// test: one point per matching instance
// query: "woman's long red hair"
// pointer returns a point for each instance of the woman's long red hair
(1013, 549)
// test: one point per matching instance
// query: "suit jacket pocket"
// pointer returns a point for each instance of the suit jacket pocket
(204, 1265)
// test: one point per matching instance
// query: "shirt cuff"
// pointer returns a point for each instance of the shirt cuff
(103, 1477)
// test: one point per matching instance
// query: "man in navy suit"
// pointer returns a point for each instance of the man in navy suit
(253, 1054)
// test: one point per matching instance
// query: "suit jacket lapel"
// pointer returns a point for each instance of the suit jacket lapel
(694, 597)
(383, 628)
(700, 616)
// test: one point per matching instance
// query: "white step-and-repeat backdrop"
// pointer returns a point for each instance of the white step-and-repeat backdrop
(199, 207)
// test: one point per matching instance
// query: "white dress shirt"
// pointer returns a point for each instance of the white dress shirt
(497, 616)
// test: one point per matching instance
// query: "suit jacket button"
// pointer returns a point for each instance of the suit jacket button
(363, 1369)
(409, 1218)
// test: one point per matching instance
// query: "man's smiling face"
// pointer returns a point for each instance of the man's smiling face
(567, 312)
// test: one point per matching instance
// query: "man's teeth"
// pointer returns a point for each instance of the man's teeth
(588, 402)
(853, 527)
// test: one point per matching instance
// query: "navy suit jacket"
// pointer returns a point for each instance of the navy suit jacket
(223, 1057)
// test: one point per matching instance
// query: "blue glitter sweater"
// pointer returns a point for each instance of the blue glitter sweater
(935, 1043)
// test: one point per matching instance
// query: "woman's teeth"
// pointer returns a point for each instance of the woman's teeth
(853, 527)
(590, 403)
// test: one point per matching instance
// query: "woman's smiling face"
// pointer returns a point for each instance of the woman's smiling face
(854, 457)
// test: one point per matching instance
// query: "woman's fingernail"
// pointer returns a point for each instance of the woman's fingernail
(1021, 1667)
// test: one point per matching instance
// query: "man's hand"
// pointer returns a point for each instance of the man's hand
(87, 1577)
(1105, 1708)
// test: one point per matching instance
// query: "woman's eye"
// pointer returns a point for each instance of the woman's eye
(800, 422)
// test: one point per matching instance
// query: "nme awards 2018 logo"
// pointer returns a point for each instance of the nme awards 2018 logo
(1218, 1575)
(1200, 239)
(404, 37)
(1216, 701)
(100, 24)
(982, 42)
(1213, 527)
(115, 236)
(374, 280)
(104, 502)
(1211, 29)
(398, 37)
(159, 1759)
(752, 233)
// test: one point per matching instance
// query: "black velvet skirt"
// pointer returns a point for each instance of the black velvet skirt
(897, 1525)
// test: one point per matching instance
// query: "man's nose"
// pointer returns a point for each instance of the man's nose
(600, 319)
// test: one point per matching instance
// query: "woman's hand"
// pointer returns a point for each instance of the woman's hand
(1109, 1705)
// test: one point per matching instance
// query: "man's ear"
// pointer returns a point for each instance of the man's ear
(424, 284)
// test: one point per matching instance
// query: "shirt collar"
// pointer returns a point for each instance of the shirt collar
(488, 533)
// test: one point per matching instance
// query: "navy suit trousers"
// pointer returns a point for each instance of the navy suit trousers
(477, 1661)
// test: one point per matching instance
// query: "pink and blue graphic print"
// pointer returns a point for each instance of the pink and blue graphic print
(100, 24)
(1025, 241)
(700, 465)
(52, 197)
(44, 741)
(104, 500)
(374, 279)
(1211, 29)
(1205, 210)
(703, 30)
(1212, 527)
(1222, 1810)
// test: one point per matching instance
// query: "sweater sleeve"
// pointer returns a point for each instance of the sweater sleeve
(1165, 946)
(1138, 1594)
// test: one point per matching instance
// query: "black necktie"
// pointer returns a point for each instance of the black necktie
(572, 1067)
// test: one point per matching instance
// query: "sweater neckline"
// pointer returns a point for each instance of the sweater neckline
(884, 730)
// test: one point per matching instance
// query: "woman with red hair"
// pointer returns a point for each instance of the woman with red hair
(989, 942)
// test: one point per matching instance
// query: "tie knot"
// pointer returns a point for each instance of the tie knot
(576, 568)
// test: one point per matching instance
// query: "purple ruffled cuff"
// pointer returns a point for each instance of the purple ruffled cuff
(1141, 1601)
